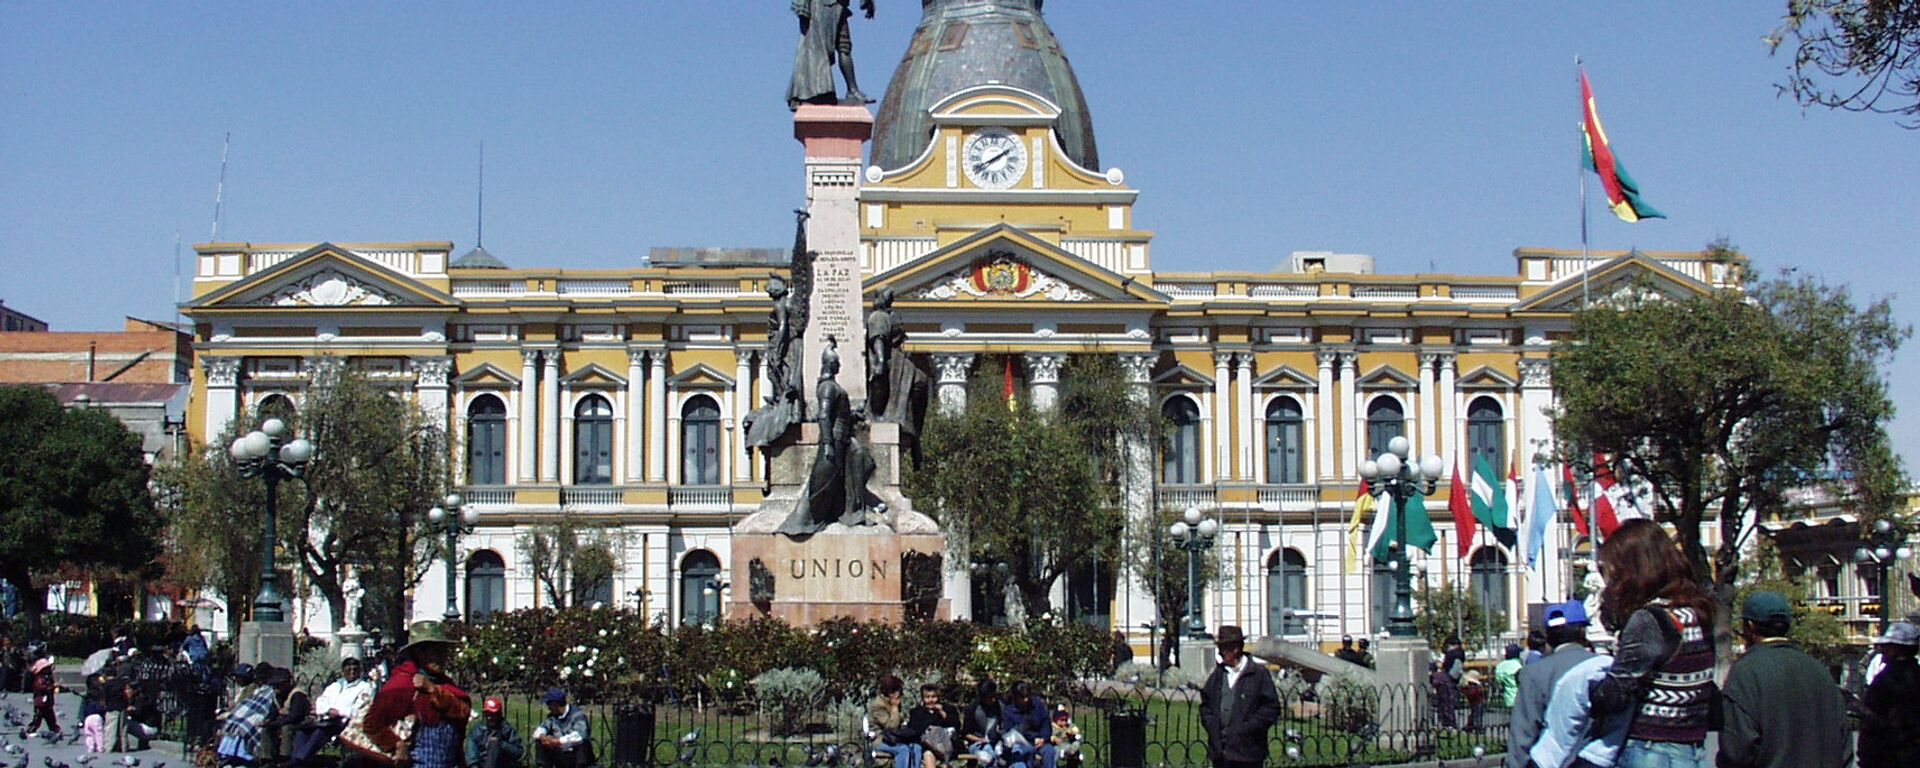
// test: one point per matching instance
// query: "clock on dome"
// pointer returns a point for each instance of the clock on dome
(994, 158)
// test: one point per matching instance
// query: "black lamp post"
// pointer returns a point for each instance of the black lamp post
(1194, 534)
(1885, 546)
(266, 454)
(1393, 474)
(457, 520)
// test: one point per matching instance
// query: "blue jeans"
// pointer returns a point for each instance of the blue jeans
(1639, 753)
(904, 755)
(1022, 757)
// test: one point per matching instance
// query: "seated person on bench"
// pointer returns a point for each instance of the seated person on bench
(565, 739)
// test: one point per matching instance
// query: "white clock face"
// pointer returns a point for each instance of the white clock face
(995, 158)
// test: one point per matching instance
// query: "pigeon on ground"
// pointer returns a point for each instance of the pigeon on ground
(691, 737)
(83, 759)
(129, 761)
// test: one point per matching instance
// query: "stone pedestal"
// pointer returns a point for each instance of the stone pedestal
(1405, 695)
(835, 138)
(352, 642)
(270, 642)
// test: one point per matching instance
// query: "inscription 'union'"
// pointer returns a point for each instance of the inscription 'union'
(835, 568)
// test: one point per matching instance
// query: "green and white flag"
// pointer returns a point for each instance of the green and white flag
(1489, 499)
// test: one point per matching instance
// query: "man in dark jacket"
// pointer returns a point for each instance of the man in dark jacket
(1238, 705)
(1889, 721)
(1781, 708)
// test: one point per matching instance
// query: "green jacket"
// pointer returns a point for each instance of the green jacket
(1782, 710)
(1506, 677)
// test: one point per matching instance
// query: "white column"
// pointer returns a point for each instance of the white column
(1043, 379)
(1222, 409)
(657, 416)
(1134, 603)
(1353, 452)
(636, 414)
(1324, 397)
(430, 375)
(550, 425)
(952, 370)
(1310, 453)
(1244, 397)
(1427, 409)
(765, 388)
(529, 416)
(1536, 430)
(1450, 442)
(738, 406)
(223, 393)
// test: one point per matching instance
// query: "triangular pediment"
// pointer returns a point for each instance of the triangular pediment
(1634, 275)
(1182, 376)
(486, 375)
(1286, 377)
(1485, 377)
(1389, 377)
(701, 375)
(328, 277)
(593, 375)
(1004, 264)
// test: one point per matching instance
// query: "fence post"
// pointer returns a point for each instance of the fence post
(1127, 738)
(633, 735)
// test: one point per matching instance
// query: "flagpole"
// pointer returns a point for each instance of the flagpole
(1586, 256)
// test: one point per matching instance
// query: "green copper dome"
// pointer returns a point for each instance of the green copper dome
(964, 43)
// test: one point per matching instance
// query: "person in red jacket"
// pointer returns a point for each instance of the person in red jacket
(41, 673)
(420, 688)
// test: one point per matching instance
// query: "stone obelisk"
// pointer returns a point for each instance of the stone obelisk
(835, 138)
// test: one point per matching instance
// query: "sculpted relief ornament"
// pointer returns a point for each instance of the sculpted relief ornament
(1001, 276)
(329, 288)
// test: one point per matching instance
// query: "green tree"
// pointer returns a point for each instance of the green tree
(1721, 403)
(214, 521)
(1452, 610)
(73, 493)
(1035, 490)
(570, 559)
(1163, 568)
(1854, 55)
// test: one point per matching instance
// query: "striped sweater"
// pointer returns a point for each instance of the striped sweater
(1675, 704)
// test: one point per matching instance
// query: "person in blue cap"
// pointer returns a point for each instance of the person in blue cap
(1566, 633)
(565, 738)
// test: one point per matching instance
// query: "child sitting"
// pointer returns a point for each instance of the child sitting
(1066, 736)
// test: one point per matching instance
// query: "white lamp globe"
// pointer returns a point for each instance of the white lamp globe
(258, 444)
(1369, 469)
(274, 427)
(1389, 464)
(1178, 531)
(1209, 527)
(1191, 516)
(238, 449)
(1861, 555)
(1883, 525)
(1432, 466)
(452, 500)
(436, 515)
(470, 516)
(1399, 446)
(1883, 553)
(297, 452)
(1904, 553)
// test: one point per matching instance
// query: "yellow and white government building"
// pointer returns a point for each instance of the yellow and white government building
(618, 395)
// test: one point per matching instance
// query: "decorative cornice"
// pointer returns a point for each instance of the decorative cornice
(1536, 374)
(432, 371)
(221, 371)
(1043, 368)
(1138, 366)
(953, 368)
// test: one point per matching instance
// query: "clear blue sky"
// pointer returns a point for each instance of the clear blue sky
(1426, 134)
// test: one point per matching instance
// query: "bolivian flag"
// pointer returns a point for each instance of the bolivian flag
(1623, 195)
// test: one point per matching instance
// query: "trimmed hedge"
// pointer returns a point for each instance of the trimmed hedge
(78, 635)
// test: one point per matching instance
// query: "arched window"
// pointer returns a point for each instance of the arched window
(276, 406)
(1382, 594)
(1489, 580)
(1486, 435)
(700, 442)
(486, 586)
(593, 441)
(487, 441)
(1181, 461)
(1286, 441)
(1287, 592)
(699, 588)
(1385, 421)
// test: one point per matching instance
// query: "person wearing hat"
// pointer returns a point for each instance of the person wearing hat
(565, 738)
(493, 742)
(1566, 635)
(1779, 706)
(420, 687)
(1238, 704)
(1889, 719)
(244, 725)
(40, 681)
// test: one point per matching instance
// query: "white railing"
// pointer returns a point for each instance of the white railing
(1111, 255)
(483, 288)
(890, 252)
(262, 260)
(1391, 292)
(404, 262)
(1285, 291)
(595, 287)
(489, 497)
(1186, 290)
(1564, 268)
(1689, 267)
(1485, 293)
(1289, 498)
(590, 497)
(1184, 496)
(710, 288)
(699, 498)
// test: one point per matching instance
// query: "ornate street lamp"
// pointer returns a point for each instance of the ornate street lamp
(265, 453)
(457, 520)
(1393, 474)
(1194, 533)
(1885, 547)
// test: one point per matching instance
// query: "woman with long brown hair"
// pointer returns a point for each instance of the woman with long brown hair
(1662, 675)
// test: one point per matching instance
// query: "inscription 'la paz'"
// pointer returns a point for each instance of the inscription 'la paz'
(836, 568)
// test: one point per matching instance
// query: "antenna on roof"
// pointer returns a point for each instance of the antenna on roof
(176, 278)
(480, 207)
(220, 190)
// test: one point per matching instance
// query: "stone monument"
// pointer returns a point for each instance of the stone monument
(835, 535)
